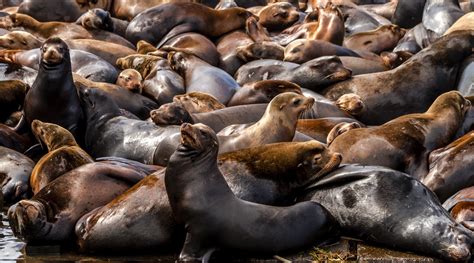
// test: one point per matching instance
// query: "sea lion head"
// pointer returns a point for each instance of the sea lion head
(95, 103)
(198, 138)
(171, 114)
(196, 102)
(97, 19)
(53, 135)
(278, 16)
(266, 90)
(54, 52)
(19, 40)
(178, 61)
(351, 103)
(130, 79)
(452, 100)
(330, 67)
(317, 161)
(341, 128)
(28, 220)
(291, 103)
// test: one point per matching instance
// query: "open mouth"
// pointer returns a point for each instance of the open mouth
(187, 138)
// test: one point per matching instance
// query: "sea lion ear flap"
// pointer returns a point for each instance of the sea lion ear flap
(283, 105)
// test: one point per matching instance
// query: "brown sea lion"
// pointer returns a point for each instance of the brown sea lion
(107, 50)
(450, 167)
(262, 92)
(360, 66)
(50, 216)
(405, 142)
(19, 40)
(351, 103)
(260, 50)
(319, 129)
(278, 16)
(195, 102)
(381, 39)
(130, 79)
(12, 96)
(64, 154)
(196, 72)
(12, 140)
(64, 10)
(15, 170)
(199, 143)
(300, 51)
(461, 207)
(409, 87)
(284, 110)
(158, 24)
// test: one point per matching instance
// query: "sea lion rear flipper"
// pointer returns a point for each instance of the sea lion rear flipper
(177, 30)
(194, 251)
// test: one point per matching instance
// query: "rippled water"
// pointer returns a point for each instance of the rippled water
(10, 247)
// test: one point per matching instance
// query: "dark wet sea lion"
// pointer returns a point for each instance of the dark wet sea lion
(440, 15)
(199, 143)
(461, 207)
(410, 87)
(133, 102)
(300, 51)
(381, 39)
(319, 129)
(63, 154)
(130, 79)
(171, 19)
(278, 124)
(19, 40)
(53, 97)
(450, 167)
(408, 13)
(408, 42)
(398, 211)
(466, 77)
(12, 95)
(263, 69)
(196, 72)
(109, 133)
(262, 92)
(405, 142)
(65, 10)
(15, 170)
(100, 19)
(51, 214)
(83, 63)
(12, 140)
(17, 72)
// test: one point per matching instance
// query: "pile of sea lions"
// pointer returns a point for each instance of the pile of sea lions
(253, 128)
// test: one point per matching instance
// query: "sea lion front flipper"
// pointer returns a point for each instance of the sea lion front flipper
(195, 250)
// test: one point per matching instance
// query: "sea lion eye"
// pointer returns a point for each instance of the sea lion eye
(317, 157)
(297, 102)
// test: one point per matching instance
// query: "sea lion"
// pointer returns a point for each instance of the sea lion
(195, 44)
(12, 140)
(320, 128)
(199, 142)
(339, 129)
(408, 13)
(381, 39)
(171, 19)
(128, 100)
(53, 97)
(278, 16)
(398, 211)
(405, 142)
(109, 133)
(130, 79)
(65, 10)
(160, 83)
(19, 40)
(439, 16)
(408, 42)
(63, 154)
(108, 51)
(83, 63)
(356, 20)
(450, 167)
(12, 95)
(272, 181)
(100, 19)
(171, 114)
(15, 170)
(196, 102)
(460, 206)
(263, 69)
(278, 124)
(196, 72)
(262, 92)
(51, 214)
(300, 51)
(407, 88)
